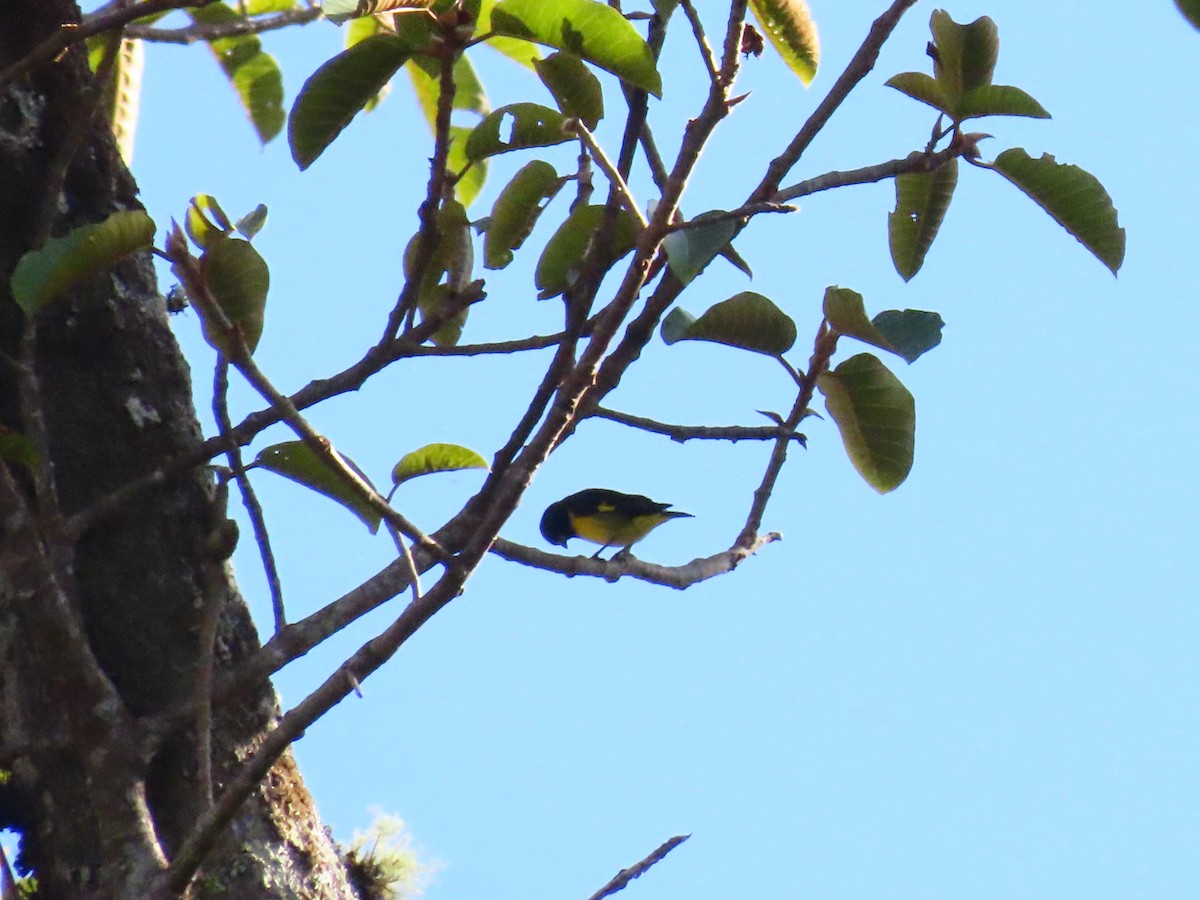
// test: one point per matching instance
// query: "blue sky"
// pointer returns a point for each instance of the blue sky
(983, 685)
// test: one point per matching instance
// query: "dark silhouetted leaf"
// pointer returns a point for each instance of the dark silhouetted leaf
(296, 461)
(690, 250)
(436, 458)
(921, 203)
(1190, 10)
(966, 54)
(1073, 197)
(876, 416)
(911, 332)
(55, 268)
(238, 279)
(1000, 100)
(589, 29)
(748, 321)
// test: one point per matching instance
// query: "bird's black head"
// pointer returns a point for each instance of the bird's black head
(556, 525)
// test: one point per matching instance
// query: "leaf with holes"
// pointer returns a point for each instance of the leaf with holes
(516, 211)
(1074, 198)
(922, 199)
(792, 32)
(558, 266)
(253, 73)
(574, 88)
(876, 416)
(748, 321)
(61, 263)
(589, 29)
(238, 279)
(335, 93)
(436, 458)
(296, 461)
(516, 127)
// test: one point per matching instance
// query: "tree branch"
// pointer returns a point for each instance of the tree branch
(209, 31)
(682, 433)
(637, 870)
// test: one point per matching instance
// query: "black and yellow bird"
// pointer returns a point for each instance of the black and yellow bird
(604, 517)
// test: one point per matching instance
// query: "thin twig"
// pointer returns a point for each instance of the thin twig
(734, 215)
(625, 876)
(215, 31)
(706, 51)
(682, 433)
(913, 163)
(576, 127)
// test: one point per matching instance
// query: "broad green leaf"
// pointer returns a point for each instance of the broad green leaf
(296, 461)
(516, 127)
(205, 221)
(16, 448)
(876, 416)
(519, 51)
(254, 74)
(847, 314)
(469, 95)
(61, 263)
(237, 278)
(924, 88)
(338, 90)
(965, 54)
(921, 203)
(575, 89)
(558, 266)
(252, 222)
(471, 174)
(1073, 197)
(358, 31)
(747, 320)
(1190, 10)
(791, 30)
(516, 211)
(690, 250)
(999, 100)
(911, 332)
(588, 28)
(340, 11)
(436, 458)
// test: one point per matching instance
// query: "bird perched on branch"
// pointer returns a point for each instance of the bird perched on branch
(604, 517)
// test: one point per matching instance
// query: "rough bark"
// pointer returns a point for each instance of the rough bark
(101, 806)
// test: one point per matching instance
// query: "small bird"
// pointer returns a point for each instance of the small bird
(604, 517)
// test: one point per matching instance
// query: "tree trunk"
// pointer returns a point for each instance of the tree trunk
(100, 632)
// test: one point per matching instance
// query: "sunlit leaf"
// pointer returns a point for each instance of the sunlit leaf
(876, 416)
(748, 321)
(340, 11)
(295, 460)
(238, 279)
(253, 73)
(922, 199)
(436, 458)
(558, 266)
(519, 51)
(205, 221)
(1073, 197)
(516, 127)
(56, 267)
(338, 90)
(588, 28)
(516, 211)
(690, 250)
(575, 89)
(791, 30)
(910, 332)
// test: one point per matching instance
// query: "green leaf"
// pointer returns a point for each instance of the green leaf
(1190, 10)
(690, 250)
(338, 90)
(924, 88)
(252, 222)
(469, 95)
(558, 266)
(453, 257)
(296, 461)
(16, 448)
(254, 74)
(574, 88)
(237, 278)
(340, 11)
(999, 100)
(748, 321)
(205, 221)
(61, 263)
(791, 30)
(436, 458)
(966, 54)
(519, 51)
(847, 314)
(516, 127)
(1073, 197)
(876, 416)
(471, 174)
(921, 203)
(910, 332)
(516, 211)
(588, 28)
